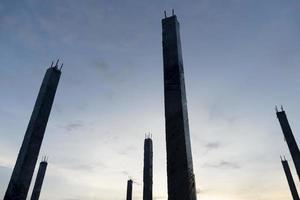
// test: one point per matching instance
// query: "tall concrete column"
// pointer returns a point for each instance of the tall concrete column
(39, 180)
(28, 154)
(148, 173)
(290, 179)
(181, 181)
(129, 190)
(290, 139)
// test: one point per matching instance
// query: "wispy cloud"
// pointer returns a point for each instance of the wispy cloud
(222, 165)
(79, 165)
(126, 173)
(102, 66)
(73, 126)
(82, 167)
(127, 150)
(212, 145)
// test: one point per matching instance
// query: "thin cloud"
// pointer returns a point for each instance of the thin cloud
(126, 173)
(223, 165)
(73, 126)
(102, 66)
(82, 167)
(79, 165)
(212, 145)
(127, 150)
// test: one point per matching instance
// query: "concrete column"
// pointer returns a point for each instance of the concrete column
(129, 190)
(290, 179)
(181, 182)
(29, 152)
(148, 173)
(290, 139)
(39, 180)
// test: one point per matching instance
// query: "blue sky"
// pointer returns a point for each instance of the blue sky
(241, 58)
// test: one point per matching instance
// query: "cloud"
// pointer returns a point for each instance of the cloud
(79, 165)
(73, 126)
(223, 165)
(127, 150)
(102, 66)
(110, 75)
(212, 145)
(82, 167)
(126, 173)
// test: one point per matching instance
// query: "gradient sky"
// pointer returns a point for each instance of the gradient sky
(241, 58)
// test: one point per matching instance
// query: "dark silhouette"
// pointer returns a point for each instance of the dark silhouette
(129, 190)
(28, 154)
(289, 138)
(39, 180)
(290, 179)
(181, 181)
(148, 173)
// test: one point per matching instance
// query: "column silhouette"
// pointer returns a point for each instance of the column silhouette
(129, 190)
(39, 180)
(289, 138)
(148, 173)
(181, 181)
(23, 170)
(290, 179)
